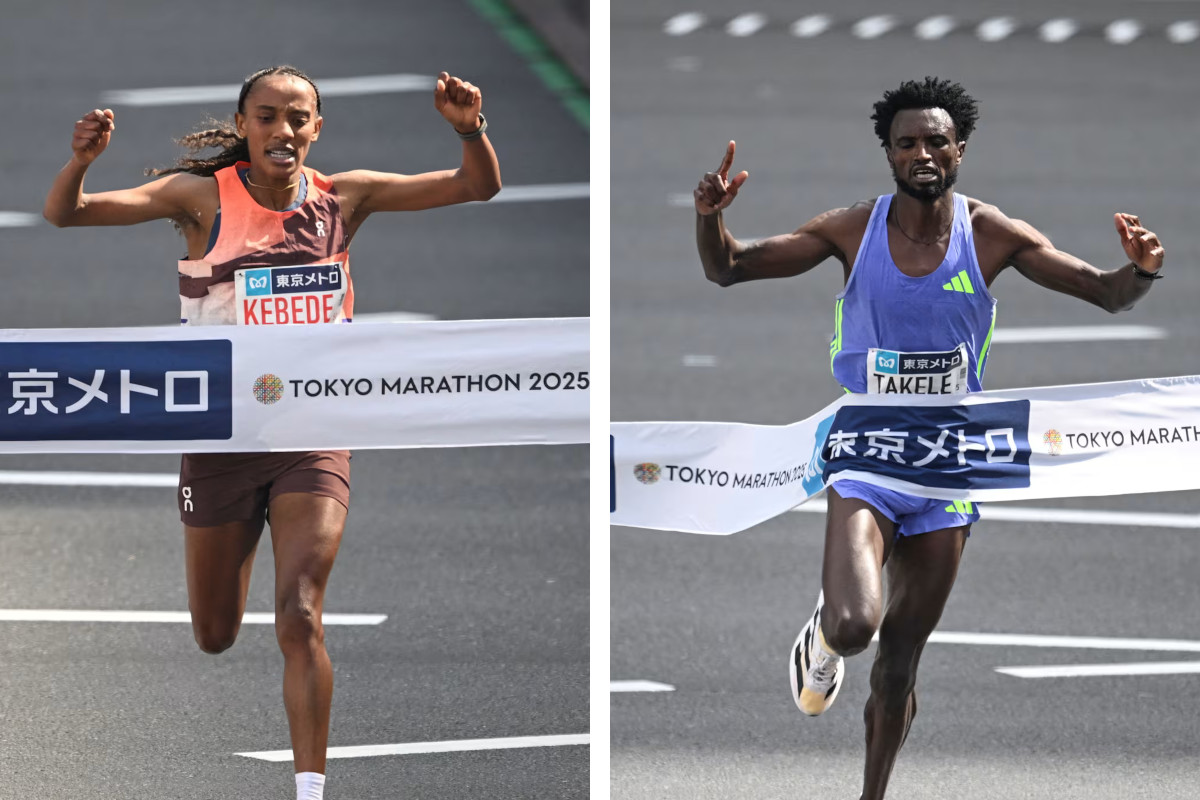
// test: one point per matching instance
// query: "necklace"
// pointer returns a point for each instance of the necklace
(297, 183)
(896, 218)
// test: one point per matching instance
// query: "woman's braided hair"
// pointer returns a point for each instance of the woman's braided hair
(224, 135)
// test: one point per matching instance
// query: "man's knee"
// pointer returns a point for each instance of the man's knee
(848, 631)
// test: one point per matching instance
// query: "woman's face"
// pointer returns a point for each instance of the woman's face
(279, 123)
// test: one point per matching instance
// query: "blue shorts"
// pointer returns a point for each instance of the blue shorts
(912, 515)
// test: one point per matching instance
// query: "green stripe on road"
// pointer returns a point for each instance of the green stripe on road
(540, 59)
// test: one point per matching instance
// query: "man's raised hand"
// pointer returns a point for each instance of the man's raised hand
(92, 133)
(715, 190)
(1142, 246)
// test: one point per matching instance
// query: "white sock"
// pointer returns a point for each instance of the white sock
(310, 786)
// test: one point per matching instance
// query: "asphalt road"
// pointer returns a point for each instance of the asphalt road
(1070, 132)
(478, 557)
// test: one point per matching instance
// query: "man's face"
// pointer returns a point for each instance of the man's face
(280, 123)
(924, 153)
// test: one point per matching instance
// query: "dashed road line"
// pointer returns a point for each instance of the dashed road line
(698, 360)
(249, 618)
(1002, 512)
(1056, 31)
(810, 26)
(533, 193)
(46, 478)
(1183, 32)
(1104, 670)
(1123, 31)
(1079, 333)
(934, 28)
(1065, 642)
(996, 29)
(228, 93)
(683, 24)
(873, 27)
(414, 748)
(639, 686)
(18, 219)
(542, 192)
(746, 24)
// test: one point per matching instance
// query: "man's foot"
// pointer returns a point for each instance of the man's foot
(816, 670)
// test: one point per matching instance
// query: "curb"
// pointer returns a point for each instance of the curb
(563, 24)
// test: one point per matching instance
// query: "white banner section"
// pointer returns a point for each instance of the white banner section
(1056, 441)
(303, 387)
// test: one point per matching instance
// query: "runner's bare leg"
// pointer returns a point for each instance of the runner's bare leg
(306, 530)
(858, 539)
(920, 573)
(219, 559)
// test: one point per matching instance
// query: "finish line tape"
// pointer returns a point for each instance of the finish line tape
(302, 387)
(1127, 437)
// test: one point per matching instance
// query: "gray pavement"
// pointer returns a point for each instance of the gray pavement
(477, 556)
(1069, 133)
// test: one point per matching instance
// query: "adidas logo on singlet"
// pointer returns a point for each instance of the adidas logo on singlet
(960, 283)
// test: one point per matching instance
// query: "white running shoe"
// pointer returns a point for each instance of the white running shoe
(816, 670)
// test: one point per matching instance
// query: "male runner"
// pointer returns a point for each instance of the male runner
(917, 267)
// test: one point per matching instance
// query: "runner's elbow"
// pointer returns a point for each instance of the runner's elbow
(56, 218)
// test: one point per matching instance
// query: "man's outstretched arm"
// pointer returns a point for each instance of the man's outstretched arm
(1113, 290)
(726, 260)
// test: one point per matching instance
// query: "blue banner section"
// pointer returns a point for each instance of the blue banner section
(982, 446)
(89, 391)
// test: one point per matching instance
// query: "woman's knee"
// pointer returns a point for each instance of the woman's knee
(214, 636)
(298, 625)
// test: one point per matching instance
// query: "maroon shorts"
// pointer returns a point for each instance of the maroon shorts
(215, 488)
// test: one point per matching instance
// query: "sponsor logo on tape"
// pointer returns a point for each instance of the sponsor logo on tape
(647, 473)
(268, 389)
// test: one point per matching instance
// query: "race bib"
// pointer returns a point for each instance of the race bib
(290, 295)
(893, 372)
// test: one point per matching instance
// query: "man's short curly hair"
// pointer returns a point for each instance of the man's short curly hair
(930, 93)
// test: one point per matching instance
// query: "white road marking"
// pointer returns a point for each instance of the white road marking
(250, 618)
(746, 24)
(684, 64)
(1123, 31)
(40, 478)
(812, 25)
(462, 745)
(1067, 642)
(1078, 333)
(330, 87)
(394, 316)
(699, 361)
(1183, 32)
(1096, 670)
(996, 29)
(1002, 512)
(934, 27)
(683, 24)
(873, 27)
(546, 191)
(1058, 30)
(639, 686)
(18, 219)
(680, 200)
